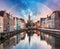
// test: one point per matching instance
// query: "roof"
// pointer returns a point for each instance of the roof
(8, 15)
(58, 12)
(2, 13)
(21, 19)
(42, 19)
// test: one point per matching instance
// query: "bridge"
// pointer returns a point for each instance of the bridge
(53, 32)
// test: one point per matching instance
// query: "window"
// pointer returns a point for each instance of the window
(53, 16)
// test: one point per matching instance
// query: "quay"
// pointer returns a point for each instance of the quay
(53, 32)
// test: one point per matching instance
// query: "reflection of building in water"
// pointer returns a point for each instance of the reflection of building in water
(55, 47)
(30, 34)
(51, 40)
(8, 44)
(20, 36)
(17, 40)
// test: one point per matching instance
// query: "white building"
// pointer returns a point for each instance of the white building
(52, 21)
(22, 23)
(43, 22)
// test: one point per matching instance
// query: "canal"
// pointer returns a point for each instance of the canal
(20, 41)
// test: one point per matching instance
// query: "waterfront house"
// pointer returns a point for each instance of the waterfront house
(4, 21)
(54, 21)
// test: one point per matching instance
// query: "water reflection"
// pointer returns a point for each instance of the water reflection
(35, 43)
(44, 41)
(54, 41)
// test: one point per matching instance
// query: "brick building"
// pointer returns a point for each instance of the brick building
(4, 21)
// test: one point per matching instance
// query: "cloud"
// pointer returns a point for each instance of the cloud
(43, 11)
(37, 8)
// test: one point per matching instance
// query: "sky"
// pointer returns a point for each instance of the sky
(35, 8)
(35, 43)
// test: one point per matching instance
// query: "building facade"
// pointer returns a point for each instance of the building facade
(54, 20)
(1, 24)
(42, 21)
(37, 25)
(51, 21)
(4, 21)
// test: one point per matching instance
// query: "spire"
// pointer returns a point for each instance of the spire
(29, 17)
(29, 39)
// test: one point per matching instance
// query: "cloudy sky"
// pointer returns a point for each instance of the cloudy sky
(36, 8)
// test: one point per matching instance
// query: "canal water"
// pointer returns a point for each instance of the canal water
(36, 42)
